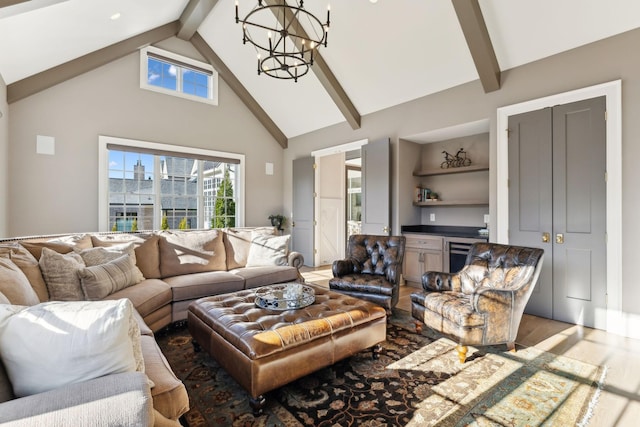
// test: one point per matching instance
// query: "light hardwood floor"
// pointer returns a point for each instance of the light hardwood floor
(619, 402)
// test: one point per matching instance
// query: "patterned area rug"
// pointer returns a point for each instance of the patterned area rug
(417, 381)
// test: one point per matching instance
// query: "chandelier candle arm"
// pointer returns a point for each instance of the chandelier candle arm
(282, 56)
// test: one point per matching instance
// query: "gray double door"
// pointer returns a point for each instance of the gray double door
(557, 202)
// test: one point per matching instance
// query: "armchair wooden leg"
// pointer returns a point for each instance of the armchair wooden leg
(462, 353)
(418, 327)
(511, 346)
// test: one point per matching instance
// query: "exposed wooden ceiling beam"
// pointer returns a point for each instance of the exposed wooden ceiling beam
(192, 17)
(6, 3)
(324, 73)
(479, 42)
(51, 77)
(225, 74)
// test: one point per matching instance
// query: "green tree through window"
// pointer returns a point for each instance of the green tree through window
(225, 206)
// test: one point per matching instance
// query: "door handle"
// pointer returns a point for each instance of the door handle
(293, 223)
(385, 229)
(560, 238)
(546, 237)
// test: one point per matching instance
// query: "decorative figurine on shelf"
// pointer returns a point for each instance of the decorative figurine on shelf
(460, 159)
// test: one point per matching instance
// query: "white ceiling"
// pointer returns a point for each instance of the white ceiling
(382, 54)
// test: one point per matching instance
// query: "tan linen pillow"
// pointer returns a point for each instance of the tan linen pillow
(146, 248)
(80, 241)
(35, 248)
(237, 242)
(29, 266)
(60, 272)
(4, 300)
(99, 281)
(102, 255)
(268, 250)
(14, 284)
(185, 252)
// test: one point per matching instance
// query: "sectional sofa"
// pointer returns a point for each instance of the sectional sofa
(160, 273)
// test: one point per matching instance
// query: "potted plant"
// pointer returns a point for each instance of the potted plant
(277, 220)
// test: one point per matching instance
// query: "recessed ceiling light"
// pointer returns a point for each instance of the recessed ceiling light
(115, 16)
(373, 1)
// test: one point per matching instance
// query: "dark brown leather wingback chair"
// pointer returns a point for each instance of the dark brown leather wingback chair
(483, 303)
(371, 270)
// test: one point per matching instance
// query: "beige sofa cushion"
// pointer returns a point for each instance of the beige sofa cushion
(29, 266)
(60, 272)
(186, 252)
(255, 277)
(198, 285)
(146, 248)
(147, 296)
(169, 394)
(4, 299)
(237, 242)
(14, 285)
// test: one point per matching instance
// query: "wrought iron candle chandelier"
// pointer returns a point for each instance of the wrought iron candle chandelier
(275, 29)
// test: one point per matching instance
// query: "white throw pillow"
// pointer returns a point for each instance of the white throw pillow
(53, 344)
(268, 250)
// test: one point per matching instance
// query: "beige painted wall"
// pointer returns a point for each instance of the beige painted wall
(604, 61)
(58, 194)
(4, 158)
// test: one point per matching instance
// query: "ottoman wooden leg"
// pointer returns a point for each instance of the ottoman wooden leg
(418, 327)
(257, 404)
(377, 349)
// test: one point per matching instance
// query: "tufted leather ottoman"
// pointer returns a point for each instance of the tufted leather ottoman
(265, 349)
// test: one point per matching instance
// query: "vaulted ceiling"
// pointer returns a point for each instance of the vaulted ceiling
(379, 54)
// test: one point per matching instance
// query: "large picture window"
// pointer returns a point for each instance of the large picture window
(147, 186)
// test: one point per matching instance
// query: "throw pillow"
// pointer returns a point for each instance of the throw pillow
(29, 266)
(60, 275)
(237, 242)
(79, 241)
(35, 248)
(146, 248)
(99, 281)
(102, 255)
(268, 250)
(53, 344)
(3, 299)
(185, 252)
(14, 284)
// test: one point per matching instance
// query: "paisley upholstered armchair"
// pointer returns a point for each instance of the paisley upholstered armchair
(371, 270)
(483, 303)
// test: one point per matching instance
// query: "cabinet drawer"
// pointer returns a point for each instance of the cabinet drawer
(424, 242)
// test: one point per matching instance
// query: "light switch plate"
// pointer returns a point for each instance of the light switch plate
(268, 168)
(486, 218)
(432, 217)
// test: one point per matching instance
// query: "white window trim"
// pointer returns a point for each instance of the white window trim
(212, 99)
(103, 174)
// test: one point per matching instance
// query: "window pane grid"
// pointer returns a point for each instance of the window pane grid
(134, 203)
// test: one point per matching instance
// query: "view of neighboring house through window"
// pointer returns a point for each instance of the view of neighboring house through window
(147, 190)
